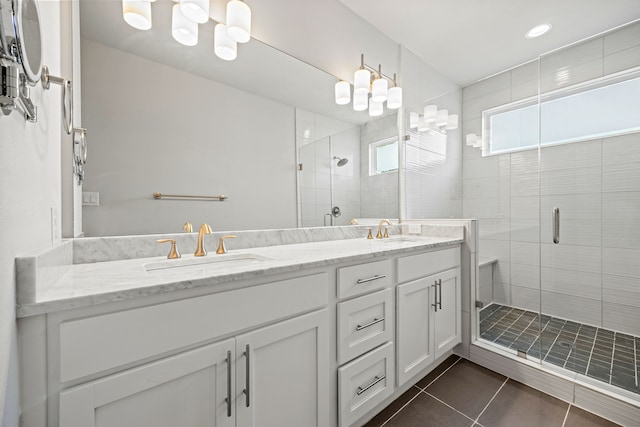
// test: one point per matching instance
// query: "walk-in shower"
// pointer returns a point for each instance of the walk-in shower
(556, 190)
(341, 162)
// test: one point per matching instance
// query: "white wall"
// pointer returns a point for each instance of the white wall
(196, 137)
(29, 190)
(591, 276)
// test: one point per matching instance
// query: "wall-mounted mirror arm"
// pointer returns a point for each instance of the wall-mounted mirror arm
(67, 96)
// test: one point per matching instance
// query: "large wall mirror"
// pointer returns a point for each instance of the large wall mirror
(263, 130)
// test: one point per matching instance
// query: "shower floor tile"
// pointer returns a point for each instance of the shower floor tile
(608, 356)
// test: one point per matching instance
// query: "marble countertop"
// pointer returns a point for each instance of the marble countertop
(83, 285)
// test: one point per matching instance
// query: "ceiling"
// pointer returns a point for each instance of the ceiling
(467, 40)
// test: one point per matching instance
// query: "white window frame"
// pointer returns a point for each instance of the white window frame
(373, 167)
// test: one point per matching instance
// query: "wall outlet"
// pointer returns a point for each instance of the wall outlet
(90, 198)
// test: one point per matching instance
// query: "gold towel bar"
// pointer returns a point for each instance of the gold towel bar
(159, 196)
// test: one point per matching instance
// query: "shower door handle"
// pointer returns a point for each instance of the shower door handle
(556, 225)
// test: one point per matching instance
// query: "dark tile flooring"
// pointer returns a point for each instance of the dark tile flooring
(461, 393)
(611, 357)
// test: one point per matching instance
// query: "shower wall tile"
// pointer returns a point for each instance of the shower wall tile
(525, 253)
(472, 109)
(570, 181)
(525, 275)
(587, 154)
(571, 282)
(492, 207)
(577, 232)
(622, 318)
(621, 211)
(621, 290)
(621, 177)
(525, 207)
(525, 230)
(579, 258)
(524, 80)
(621, 61)
(501, 292)
(621, 149)
(490, 248)
(479, 188)
(487, 86)
(567, 67)
(502, 272)
(573, 206)
(576, 308)
(494, 229)
(622, 39)
(525, 298)
(621, 262)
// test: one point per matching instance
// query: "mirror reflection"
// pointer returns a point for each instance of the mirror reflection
(263, 130)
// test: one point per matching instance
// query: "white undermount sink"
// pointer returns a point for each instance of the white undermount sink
(198, 264)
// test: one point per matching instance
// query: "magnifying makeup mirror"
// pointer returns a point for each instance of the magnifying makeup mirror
(28, 38)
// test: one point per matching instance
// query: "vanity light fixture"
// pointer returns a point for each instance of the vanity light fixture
(188, 14)
(137, 13)
(239, 21)
(537, 31)
(183, 29)
(369, 80)
(433, 120)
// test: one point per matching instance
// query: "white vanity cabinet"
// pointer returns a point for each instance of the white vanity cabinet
(273, 376)
(428, 310)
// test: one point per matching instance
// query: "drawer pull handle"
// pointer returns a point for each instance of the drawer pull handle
(228, 398)
(375, 381)
(359, 327)
(246, 354)
(371, 279)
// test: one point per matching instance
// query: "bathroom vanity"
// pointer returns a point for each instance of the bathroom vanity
(307, 334)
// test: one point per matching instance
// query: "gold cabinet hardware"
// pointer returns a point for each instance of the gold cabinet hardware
(187, 227)
(221, 248)
(173, 253)
(200, 250)
(379, 235)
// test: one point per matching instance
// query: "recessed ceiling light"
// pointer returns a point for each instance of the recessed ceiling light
(537, 31)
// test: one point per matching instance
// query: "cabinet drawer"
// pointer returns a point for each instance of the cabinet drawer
(364, 323)
(415, 266)
(99, 343)
(364, 278)
(365, 383)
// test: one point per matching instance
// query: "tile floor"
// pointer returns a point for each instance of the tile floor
(461, 393)
(611, 357)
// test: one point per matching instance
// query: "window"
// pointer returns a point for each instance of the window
(383, 156)
(597, 109)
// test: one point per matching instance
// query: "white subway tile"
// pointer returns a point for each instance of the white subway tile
(621, 262)
(525, 207)
(502, 272)
(525, 230)
(573, 206)
(501, 293)
(621, 149)
(524, 81)
(571, 282)
(622, 60)
(621, 318)
(621, 290)
(487, 86)
(575, 308)
(570, 181)
(525, 253)
(621, 177)
(620, 219)
(578, 232)
(587, 154)
(490, 248)
(473, 108)
(571, 65)
(622, 39)
(494, 229)
(525, 298)
(579, 258)
(525, 275)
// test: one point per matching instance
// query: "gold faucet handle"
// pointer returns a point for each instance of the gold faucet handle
(370, 236)
(386, 232)
(188, 227)
(221, 248)
(353, 222)
(173, 253)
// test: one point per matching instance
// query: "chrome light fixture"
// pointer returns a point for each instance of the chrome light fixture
(369, 80)
(188, 14)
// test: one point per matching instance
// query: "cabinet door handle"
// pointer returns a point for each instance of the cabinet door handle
(359, 328)
(228, 399)
(375, 381)
(435, 296)
(371, 279)
(247, 379)
(440, 294)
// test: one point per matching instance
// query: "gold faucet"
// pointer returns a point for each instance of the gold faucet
(221, 248)
(173, 253)
(204, 229)
(379, 235)
(187, 227)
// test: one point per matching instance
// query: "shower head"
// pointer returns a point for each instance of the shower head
(341, 162)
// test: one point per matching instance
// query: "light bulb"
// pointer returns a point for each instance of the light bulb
(394, 98)
(379, 90)
(195, 10)
(184, 30)
(472, 138)
(239, 21)
(360, 101)
(223, 46)
(343, 93)
(361, 81)
(414, 119)
(137, 13)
